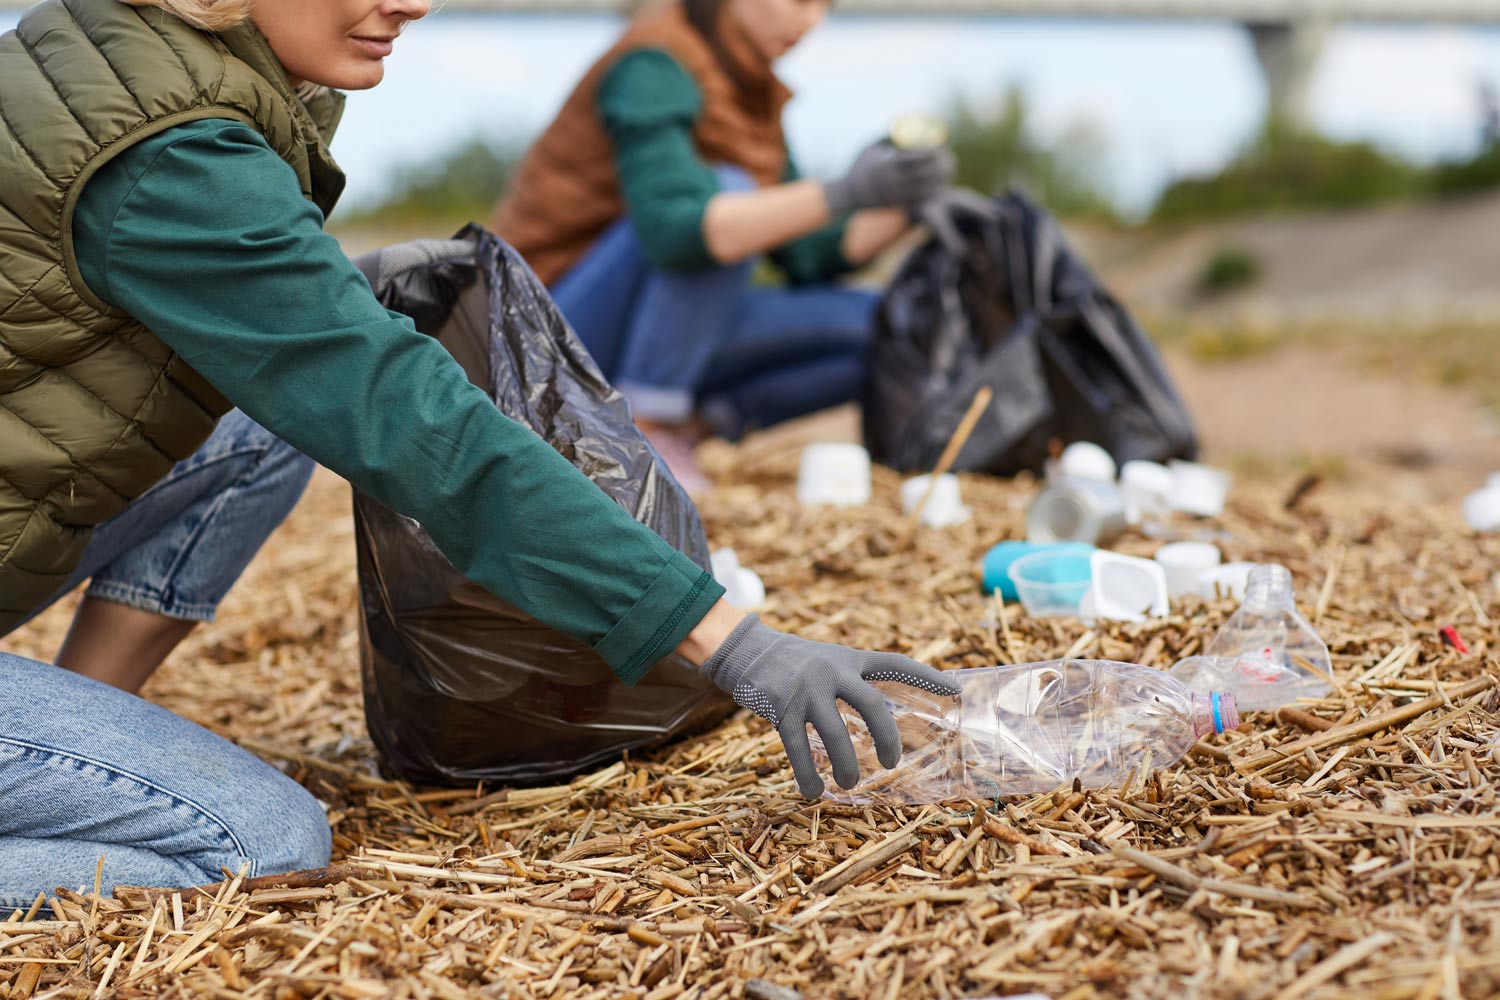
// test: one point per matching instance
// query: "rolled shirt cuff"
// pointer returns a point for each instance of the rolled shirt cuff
(677, 600)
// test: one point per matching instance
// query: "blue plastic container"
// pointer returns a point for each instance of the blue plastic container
(998, 559)
(1052, 584)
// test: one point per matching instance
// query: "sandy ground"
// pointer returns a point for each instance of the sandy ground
(1413, 262)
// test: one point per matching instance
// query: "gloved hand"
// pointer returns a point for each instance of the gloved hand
(887, 177)
(941, 212)
(791, 682)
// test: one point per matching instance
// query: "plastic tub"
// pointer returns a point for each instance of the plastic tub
(995, 568)
(1186, 563)
(1050, 584)
(834, 473)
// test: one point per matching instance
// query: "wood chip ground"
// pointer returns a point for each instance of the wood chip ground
(1345, 849)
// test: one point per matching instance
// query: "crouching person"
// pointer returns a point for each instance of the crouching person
(179, 342)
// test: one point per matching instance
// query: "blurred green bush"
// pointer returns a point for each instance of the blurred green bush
(1229, 269)
(450, 187)
(1287, 169)
(998, 148)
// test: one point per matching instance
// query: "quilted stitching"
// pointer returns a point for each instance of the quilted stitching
(48, 331)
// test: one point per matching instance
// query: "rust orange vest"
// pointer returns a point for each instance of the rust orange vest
(565, 192)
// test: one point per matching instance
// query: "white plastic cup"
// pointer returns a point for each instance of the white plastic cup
(1086, 460)
(1229, 579)
(1482, 509)
(1185, 563)
(1125, 588)
(944, 508)
(724, 564)
(742, 587)
(1146, 487)
(1198, 489)
(837, 474)
(748, 591)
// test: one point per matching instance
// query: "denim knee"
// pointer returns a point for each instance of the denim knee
(289, 468)
(733, 178)
(288, 830)
(180, 547)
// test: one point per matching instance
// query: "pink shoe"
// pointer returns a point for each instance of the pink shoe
(675, 448)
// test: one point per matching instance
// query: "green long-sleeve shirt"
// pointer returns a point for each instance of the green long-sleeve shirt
(649, 104)
(202, 234)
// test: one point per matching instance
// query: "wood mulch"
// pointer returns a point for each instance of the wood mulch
(1345, 849)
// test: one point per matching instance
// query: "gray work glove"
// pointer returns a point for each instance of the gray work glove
(887, 177)
(942, 211)
(791, 682)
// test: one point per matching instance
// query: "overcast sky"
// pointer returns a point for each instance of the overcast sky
(1167, 98)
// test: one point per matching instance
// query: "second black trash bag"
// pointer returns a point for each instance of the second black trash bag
(459, 685)
(1017, 311)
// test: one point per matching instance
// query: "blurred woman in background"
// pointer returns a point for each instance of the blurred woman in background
(666, 177)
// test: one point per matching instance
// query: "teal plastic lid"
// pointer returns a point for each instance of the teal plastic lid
(998, 559)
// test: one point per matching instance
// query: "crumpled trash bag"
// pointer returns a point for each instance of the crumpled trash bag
(459, 685)
(1018, 312)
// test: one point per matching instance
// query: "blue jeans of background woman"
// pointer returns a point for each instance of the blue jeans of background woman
(88, 771)
(709, 342)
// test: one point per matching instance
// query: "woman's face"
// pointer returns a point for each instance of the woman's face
(775, 26)
(334, 43)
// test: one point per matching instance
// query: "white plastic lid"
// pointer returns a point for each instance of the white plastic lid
(1198, 489)
(1126, 588)
(943, 508)
(834, 473)
(1482, 509)
(1086, 460)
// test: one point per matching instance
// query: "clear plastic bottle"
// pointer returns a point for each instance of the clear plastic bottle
(1032, 728)
(1266, 655)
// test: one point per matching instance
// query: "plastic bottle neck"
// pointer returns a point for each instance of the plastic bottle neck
(1269, 586)
(1214, 713)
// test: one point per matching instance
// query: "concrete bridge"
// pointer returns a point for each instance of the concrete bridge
(1288, 34)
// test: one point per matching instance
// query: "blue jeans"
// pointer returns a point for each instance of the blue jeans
(163, 801)
(742, 357)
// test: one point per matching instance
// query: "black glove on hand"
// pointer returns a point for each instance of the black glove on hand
(791, 682)
(887, 177)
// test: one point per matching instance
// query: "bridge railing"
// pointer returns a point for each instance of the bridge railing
(1437, 11)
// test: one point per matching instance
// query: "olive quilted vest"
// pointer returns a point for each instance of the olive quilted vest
(94, 409)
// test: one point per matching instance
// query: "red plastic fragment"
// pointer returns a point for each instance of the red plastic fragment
(1452, 638)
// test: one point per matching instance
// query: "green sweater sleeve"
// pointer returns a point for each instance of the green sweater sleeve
(818, 257)
(202, 234)
(648, 105)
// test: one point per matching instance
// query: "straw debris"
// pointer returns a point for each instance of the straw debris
(1345, 847)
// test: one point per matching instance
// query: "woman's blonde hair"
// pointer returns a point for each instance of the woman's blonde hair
(210, 15)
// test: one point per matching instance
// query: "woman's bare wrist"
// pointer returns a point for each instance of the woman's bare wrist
(709, 634)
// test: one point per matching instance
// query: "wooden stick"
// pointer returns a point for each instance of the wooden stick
(1181, 876)
(841, 876)
(869, 857)
(955, 445)
(1001, 832)
(1304, 720)
(1374, 724)
(1331, 966)
(306, 879)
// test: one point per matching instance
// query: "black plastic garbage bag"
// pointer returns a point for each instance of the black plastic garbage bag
(1015, 310)
(459, 685)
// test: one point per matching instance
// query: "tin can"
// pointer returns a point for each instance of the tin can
(1077, 510)
(918, 132)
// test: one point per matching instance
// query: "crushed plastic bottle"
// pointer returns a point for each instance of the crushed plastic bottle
(1032, 728)
(1266, 655)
